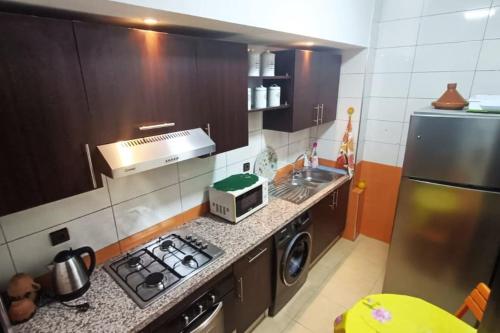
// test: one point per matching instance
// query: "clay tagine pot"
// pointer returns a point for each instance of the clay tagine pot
(22, 286)
(451, 99)
(21, 311)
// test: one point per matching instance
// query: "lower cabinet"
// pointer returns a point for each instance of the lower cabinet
(328, 219)
(253, 281)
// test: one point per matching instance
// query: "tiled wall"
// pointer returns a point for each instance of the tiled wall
(128, 205)
(422, 45)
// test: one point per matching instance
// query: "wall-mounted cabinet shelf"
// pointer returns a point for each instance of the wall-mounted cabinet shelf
(271, 108)
(278, 77)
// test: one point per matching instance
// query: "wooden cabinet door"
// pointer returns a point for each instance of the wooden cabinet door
(253, 285)
(328, 217)
(44, 114)
(328, 88)
(340, 211)
(323, 225)
(306, 81)
(136, 77)
(222, 92)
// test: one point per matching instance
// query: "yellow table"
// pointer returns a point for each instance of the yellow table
(387, 313)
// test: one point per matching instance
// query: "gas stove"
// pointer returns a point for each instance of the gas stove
(161, 265)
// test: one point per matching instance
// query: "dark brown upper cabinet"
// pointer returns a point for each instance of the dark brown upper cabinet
(222, 92)
(139, 77)
(44, 115)
(66, 87)
(136, 77)
(314, 93)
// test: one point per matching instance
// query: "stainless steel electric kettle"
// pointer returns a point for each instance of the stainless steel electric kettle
(70, 277)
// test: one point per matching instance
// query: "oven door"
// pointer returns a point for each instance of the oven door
(248, 201)
(211, 322)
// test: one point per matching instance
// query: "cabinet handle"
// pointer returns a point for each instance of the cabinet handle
(156, 126)
(334, 200)
(91, 167)
(240, 289)
(261, 252)
(208, 130)
(322, 111)
(317, 107)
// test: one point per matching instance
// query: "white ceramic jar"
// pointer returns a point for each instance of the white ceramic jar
(267, 63)
(253, 63)
(273, 95)
(260, 97)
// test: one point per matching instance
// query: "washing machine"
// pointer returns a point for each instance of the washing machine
(293, 246)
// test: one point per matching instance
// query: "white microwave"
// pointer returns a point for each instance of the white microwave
(236, 205)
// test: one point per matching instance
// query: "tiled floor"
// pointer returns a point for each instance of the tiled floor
(349, 271)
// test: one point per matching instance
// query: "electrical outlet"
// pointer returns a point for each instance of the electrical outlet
(59, 236)
(246, 166)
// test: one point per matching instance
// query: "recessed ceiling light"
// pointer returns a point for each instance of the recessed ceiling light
(150, 21)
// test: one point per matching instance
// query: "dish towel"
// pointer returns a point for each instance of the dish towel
(346, 152)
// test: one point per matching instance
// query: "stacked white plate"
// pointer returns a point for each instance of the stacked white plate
(485, 103)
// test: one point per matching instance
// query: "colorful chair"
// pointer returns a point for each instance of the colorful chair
(475, 302)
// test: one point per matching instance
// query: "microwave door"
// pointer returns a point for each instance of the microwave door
(248, 201)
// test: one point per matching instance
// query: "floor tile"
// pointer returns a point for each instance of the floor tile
(320, 314)
(274, 324)
(348, 272)
(299, 302)
(296, 328)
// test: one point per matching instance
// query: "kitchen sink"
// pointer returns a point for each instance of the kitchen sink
(315, 175)
(300, 185)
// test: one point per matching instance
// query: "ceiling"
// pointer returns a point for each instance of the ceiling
(132, 16)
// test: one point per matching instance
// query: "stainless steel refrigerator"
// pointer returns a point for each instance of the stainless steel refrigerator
(446, 235)
(491, 320)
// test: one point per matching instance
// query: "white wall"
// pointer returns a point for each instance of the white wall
(334, 20)
(421, 46)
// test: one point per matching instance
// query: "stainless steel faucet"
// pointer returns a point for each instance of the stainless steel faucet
(294, 171)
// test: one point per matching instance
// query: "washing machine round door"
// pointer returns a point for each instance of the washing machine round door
(295, 261)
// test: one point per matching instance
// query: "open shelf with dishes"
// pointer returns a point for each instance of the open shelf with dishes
(267, 90)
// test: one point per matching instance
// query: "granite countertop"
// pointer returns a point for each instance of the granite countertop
(113, 311)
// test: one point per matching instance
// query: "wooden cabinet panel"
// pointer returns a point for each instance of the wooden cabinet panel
(328, 90)
(221, 92)
(253, 285)
(315, 80)
(329, 217)
(44, 112)
(306, 87)
(136, 77)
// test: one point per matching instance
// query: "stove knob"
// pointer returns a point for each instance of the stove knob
(200, 308)
(194, 239)
(212, 298)
(198, 243)
(186, 319)
(204, 246)
(188, 237)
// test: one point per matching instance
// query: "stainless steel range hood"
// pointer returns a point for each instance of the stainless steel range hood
(125, 158)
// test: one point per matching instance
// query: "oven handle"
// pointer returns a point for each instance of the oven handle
(209, 320)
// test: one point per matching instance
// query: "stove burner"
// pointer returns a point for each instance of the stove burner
(189, 261)
(154, 280)
(134, 262)
(166, 245)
